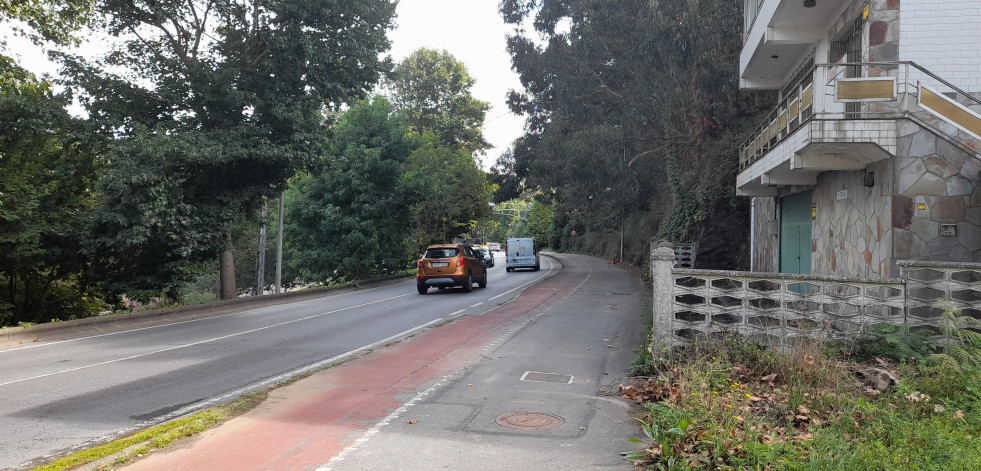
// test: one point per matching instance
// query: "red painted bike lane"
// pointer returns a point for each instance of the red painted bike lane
(305, 424)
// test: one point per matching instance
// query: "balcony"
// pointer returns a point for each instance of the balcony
(844, 117)
(778, 35)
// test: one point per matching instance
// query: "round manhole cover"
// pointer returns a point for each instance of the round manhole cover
(529, 420)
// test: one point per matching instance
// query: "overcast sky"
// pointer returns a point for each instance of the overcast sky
(474, 33)
(471, 30)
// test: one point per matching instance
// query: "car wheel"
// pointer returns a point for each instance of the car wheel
(468, 283)
(483, 281)
(537, 267)
(508, 269)
(422, 289)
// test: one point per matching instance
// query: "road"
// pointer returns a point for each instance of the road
(59, 396)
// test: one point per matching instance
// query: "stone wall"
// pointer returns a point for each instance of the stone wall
(852, 236)
(937, 184)
(766, 247)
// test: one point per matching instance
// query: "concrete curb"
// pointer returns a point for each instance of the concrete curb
(196, 311)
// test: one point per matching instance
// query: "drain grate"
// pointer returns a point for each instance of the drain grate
(546, 377)
(529, 420)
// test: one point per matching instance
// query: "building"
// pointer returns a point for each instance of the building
(873, 154)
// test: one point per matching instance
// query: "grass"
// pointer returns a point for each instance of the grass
(739, 406)
(157, 437)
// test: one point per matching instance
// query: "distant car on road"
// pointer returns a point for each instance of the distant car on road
(494, 246)
(447, 265)
(488, 256)
(522, 253)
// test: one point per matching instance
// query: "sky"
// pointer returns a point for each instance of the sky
(471, 30)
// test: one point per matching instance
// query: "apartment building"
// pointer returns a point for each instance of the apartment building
(873, 154)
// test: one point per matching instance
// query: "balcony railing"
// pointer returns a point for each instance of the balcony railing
(865, 90)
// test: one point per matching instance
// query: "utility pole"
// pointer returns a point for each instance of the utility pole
(261, 254)
(279, 245)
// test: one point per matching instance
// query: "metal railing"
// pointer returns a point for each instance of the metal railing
(853, 91)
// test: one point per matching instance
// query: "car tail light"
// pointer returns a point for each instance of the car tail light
(534, 248)
(419, 263)
(460, 262)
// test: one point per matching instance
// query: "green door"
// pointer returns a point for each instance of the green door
(795, 233)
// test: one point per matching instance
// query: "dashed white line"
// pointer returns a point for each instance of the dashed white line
(377, 428)
(461, 311)
(177, 347)
(522, 286)
(478, 304)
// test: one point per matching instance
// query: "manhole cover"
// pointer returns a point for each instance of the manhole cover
(529, 420)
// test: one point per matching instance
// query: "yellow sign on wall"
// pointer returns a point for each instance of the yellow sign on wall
(865, 12)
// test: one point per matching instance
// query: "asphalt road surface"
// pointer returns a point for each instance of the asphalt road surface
(60, 396)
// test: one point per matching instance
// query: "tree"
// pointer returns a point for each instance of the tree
(48, 164)
(46, 20)
(449, 192)
(220, 104)
(540, 224)
(350, 221)
(633, 111)
(433, 89)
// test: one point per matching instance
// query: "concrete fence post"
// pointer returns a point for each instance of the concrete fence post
(662, 261)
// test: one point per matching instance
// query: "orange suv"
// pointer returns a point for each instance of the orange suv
(448, 265)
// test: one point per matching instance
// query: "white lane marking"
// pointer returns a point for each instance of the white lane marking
(177, 347)
(48, 344)
(377, 427)
(524, 285)
(461, 311)
(266, 383)
(478, 304)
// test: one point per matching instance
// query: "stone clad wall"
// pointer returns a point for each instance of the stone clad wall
(947, 182)
(853, 236)
(766, 246)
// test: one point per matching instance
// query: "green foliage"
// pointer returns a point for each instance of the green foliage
(47, 20)
(349, 222)
(433, 89)
(901, 343)
(739, 406)
(633, 113)
(963, 346)
(48, 165)
(541, 225)
(448, 191)
(209, 113)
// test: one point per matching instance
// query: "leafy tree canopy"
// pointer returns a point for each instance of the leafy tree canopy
(48, 165)
(633, 110)
(433, 89)
(450, 193)
(214, 104)
(351, 222)
(51, 20)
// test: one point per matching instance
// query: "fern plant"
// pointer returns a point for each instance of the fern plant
(962, 346)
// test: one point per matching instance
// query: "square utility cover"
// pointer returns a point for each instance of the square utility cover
(546, 377)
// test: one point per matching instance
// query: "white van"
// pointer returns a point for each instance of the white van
(522, 253)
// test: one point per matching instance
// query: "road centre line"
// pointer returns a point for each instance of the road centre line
(478, 304)
(223, 337)
(48, 344)
(461, 311)
(524, 285)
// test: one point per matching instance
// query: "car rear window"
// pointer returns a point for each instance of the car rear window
(442, 253)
